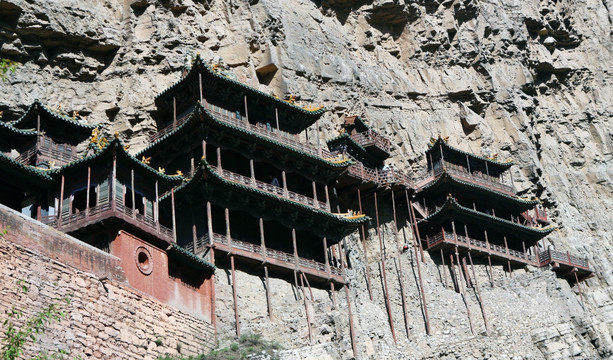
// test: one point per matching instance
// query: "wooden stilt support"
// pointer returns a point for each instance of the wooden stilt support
(333, 291)
(578, 287)
(417, 239)
(400, 272)
(384, 273)
(487, 328)
(306, 310)
(469, 282)
(506, 246)
(295, 262)
(268, 302)
(444, 272)
(234, 297)
(470, 319)
(454, 276)
(363, 233)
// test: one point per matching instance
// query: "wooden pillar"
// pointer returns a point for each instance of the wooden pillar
(317, 136)
(401, 273)
(59, 221)
(333, 293)
(219, 160)
(200, 85)
(306, 309)
(268, 302)
(174, 112)
(443, 261)
(456, 281)
(234, 297)
(487, 170)
(277, 121)
(489, 257)
(363, 233)
(384, 272)
(89, 183)
(284, 179)
(246, 111)
(192, 166)
(251, 167)
(156, 212)
(112, 193)
(228, 233)
(418, 239)
(431, 163)
(326, 259)
(315, 193)
(263, 249)
(174, 220)
(508, 254)
(204, 149)
(194, 232)
(479, 294)
(327, 197)
(578, 287)
(468, 163)
(133, 194)
(470, 319)
(295, 250)
(209, 223)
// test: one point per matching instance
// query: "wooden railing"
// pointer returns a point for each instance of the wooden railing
(549, 256)
(276, 190)
(382, 177)
(540, 215)
(501, 251)
(358, 170)
(258, 251)
(268, 132)
(372, 138)
(106, 207)
(478, 178)
(26, 156)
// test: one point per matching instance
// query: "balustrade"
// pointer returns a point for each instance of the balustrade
(372, 138)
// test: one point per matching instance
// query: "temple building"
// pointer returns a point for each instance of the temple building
(466, 202)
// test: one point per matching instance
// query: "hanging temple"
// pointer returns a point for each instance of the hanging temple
(246, 190)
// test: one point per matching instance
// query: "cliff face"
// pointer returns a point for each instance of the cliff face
(528, 79)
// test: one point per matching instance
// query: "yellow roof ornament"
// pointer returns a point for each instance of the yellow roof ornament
(146, 160)
(162, 170)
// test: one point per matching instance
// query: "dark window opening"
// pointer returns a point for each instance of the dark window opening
(138, 203)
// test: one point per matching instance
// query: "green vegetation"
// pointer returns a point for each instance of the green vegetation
(18, 333)
(246, 345)
(7, 66)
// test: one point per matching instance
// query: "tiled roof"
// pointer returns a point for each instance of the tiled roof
(37, 107)
(441, 141)
(195, 261)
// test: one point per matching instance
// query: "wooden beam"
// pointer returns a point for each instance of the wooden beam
(234, 297)
(366, 263)
(444, 272)
(268, 300)
(479, 294)
(306, 310)
(401, 273)
(384, 272)
(228, 234)
(470, 319)
(417, 238)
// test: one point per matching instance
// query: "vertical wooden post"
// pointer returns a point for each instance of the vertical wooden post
(219, 160)
(314, 192)
(133, 194)
(366, 264)
(454, 276)
(209, 224)
(487, 171)
(327, 197)
(59, 221)
(468, 163)
(384, 272)
(444, 272)
(204, 149)
(234, 297)
(295, 249)
(284, 179)
(506, 246)
(489, 257)
(470, 319)
(317, 136)
(246, 111)
(200, 85)
(174, 220)
(479, 294)
(277, 121)
(89, 183)
(333, 293)
(192, 166)
(156, 212)
(401, 273)
(228, 233)
(417, 238)
(194, 232)
(251, 167)
(174, 112)
(578, 287)
(431, 162)
(306, 309)
(326, 259)
(113, 191)
(268, 301)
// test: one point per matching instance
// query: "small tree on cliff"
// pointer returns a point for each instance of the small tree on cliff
(17, 333)
(7, 66)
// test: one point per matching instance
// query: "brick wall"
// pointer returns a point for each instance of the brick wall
(106, 318)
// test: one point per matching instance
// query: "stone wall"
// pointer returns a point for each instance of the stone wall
(106, 319)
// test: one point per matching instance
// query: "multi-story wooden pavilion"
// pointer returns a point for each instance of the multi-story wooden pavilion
(467, 203)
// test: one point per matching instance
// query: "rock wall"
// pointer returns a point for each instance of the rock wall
(105, 319)
(527, 79)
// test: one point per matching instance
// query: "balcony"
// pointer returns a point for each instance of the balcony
(462, 173)
(268, 132)
(383, 178)
(51, 153)
(371, 139)
(269, 256)
(104, 210)
(556, 257)
(269, 188)
(446, 238)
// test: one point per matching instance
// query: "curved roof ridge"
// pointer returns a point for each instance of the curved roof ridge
(504, 164)
(38, 106)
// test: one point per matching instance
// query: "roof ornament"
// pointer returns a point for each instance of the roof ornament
(162, 170)
(96, 142)
(146, 160)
